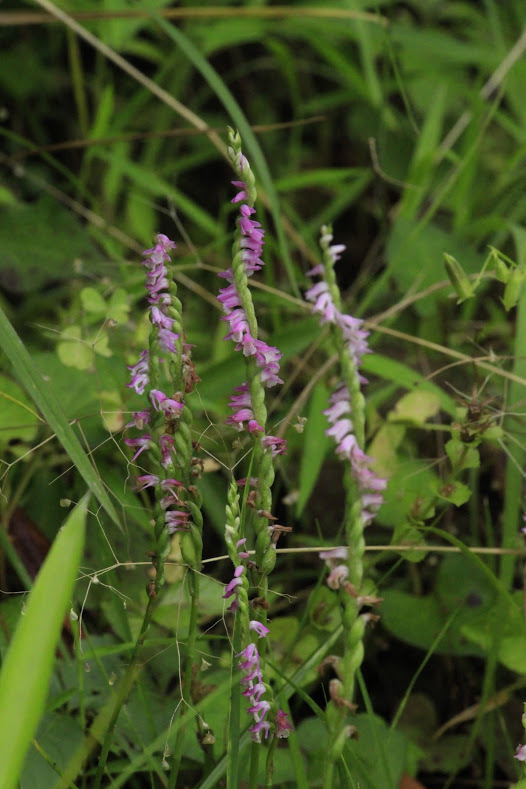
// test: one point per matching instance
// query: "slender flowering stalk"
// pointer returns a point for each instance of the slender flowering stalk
(346, 416)
(252, 682)
(168, 444)
(249, 413)
(262, 360)
(165, 448)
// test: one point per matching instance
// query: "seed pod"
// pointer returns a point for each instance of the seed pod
(458, 278)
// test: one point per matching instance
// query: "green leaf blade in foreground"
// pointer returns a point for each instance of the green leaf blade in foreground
(31, 379)
(25, 675)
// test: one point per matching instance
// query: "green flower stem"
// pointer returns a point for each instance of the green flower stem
(234, 723)
(187, 680)
(255, 749)
(269, 768)
(353, 623)
(262, 461)
(125, 687)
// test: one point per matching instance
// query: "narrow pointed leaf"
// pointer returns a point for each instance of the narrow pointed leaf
(34, 384)
(25, 674)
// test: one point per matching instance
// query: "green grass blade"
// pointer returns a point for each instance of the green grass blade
(315, 446)
(514, 477)
(249, 139)
(34, 384)
(26, 672)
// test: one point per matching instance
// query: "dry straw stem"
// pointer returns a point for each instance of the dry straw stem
(88, 142)
(199, 12)
(479, 550)
(488, 90)
(433, 346)
(470, 713)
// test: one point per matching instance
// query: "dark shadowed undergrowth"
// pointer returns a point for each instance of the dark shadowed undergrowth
(262, 519)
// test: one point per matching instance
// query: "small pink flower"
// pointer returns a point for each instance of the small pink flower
(143, 442)
(166, 443)
(236, 581)
(176, 520)
(139, 380)
(257, 729)
(283, 726)
(258, 628)
(165, 404)
(278, 446)
(147, 481)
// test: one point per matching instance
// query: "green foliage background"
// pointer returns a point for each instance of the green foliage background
(404, 125)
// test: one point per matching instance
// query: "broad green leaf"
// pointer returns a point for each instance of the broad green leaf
(111, 410)
(383, 449)
(419, 620)
(410, 491)
(92, 301)
(58, 734)
(74, 352)
(415, 407)
(512, 643)
(401, 374)
(35, 385)
(6, 196)
(462, 455)
(406, 534)
(415, 258)
(119, 307)
(40, 243)
(455, 492)
(25, 675)
(449, 755)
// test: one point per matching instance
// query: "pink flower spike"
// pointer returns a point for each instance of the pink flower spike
(253, 482)
(255, 692)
